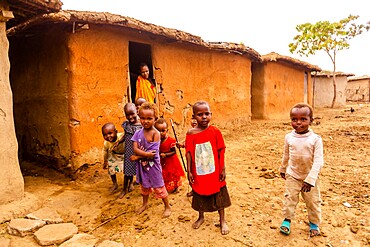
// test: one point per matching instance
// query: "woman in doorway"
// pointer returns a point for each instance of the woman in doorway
(145, 88)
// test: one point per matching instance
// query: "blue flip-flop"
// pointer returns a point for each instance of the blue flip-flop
(285, 227)
(314, 227)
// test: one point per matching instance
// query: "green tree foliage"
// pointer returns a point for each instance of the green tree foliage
(329, 37)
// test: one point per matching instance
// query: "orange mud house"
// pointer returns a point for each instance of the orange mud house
(324, 90)
(358, 89)
(71, 73)
(279, 82)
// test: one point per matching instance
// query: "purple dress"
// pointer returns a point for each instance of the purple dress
(148, 172)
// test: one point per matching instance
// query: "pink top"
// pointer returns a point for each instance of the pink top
(303, 156)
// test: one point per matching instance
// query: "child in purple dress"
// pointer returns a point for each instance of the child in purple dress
(146, 148)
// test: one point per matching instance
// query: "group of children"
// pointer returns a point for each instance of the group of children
(146, 150)
(149, 153)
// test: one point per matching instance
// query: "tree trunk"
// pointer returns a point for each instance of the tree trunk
(334, 81)
(335, 90)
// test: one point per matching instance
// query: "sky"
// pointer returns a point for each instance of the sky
(264, 25)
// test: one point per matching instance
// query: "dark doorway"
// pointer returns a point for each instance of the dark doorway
(138, 53)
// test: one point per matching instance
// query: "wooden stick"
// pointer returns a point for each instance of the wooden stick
(174, 132)
(108, 220)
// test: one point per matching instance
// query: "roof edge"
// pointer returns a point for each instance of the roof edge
(275, 57)
(357, 78)
(105, 18)
(327, 73)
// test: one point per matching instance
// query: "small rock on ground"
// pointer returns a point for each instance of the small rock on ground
(55, 234)
(80, 240)
(50, 216)
(23, 227)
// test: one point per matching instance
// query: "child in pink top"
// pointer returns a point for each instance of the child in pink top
(302, 162)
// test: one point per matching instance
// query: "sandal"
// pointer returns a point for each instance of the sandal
(285, 227)
(314, 230)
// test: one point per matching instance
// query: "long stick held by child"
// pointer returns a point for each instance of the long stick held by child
(174, 133)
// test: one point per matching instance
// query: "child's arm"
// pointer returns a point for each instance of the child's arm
(221, 156)
(318, 162)
(285, 160)
(142, 153)
(188, 164)
(189, 146)
(119, 142)
(180, 145)
(105, 156)
(135, 157)
(168, 154)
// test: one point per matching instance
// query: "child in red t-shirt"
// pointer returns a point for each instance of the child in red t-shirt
(171, 166)
(205, 149)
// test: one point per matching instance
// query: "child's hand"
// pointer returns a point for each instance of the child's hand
(163, 155)
(114, 147)
(223, 174)
(151, 154)
(180, 145)
(190, 177)
(306, 187)
(105, 166)
(282, 174)
(134, 157)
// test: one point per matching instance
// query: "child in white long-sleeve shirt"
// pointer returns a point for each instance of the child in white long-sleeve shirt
(302, 161)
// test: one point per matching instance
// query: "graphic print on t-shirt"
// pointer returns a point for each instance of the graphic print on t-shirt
(144, 162)
(204, 160)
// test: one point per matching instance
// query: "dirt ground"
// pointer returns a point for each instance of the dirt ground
(253, 156)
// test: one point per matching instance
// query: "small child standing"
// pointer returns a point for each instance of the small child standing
(130, 126)
(146, 148)
(171, 166)
(113, 152)
(205, 150)
(302, 162)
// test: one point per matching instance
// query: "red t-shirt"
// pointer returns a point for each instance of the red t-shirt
(206, 165)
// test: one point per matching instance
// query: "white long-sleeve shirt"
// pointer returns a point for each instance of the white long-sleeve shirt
(303, 156)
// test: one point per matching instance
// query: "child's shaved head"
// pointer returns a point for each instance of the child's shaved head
(303, 105)
(129, 106)
(108, 126)
(199, 103)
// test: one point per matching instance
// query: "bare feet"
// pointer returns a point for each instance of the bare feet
(141, 209)
(131, 188)
(175, 191)
(122, 194)
(224, 228)
(113, 189)
(166, 213)
(198, 223)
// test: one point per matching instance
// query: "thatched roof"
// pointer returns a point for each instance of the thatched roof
(104, 18)
(26, 9)
(327, 73)
(275, 57)
(358, 78)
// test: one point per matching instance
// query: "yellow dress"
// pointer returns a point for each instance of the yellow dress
(145, 89)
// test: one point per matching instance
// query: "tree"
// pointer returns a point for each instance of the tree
(329, 37)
